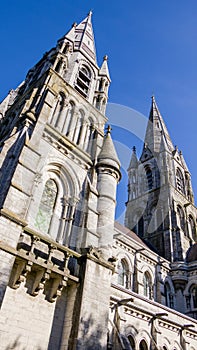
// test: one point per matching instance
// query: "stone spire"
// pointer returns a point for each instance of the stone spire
(134, 161)
(108, 155)
(104, 70)
(82, 36)
(156, 130)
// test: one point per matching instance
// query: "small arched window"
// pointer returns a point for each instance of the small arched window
(141, 227)
(180, 181)
(132, 342)
(181, 218)
(159, 219)
(193, 293)
(192, 228)
(83, 81)
(123, 274)
(149, 179)
(147, 282)
(46, 207)
(143, 345)
(168, 295)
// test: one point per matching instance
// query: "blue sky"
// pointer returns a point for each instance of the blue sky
(151, 47)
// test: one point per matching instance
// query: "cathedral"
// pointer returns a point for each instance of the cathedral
(72, 278)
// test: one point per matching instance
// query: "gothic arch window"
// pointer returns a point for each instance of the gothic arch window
(149, 178)
(46, 207)
(181, 218)
(147, 283)
(159, 219)
(143, 345)
(192, 228)
(123, 273)
(180, 181)
(83, 80)
(132, 342)
(168, 295)
(193, 293)
(141, 227)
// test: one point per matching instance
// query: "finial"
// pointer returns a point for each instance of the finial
(176, 148)
(105, 58)
(134, 149)
(153, 98)
(108, 129)
(90, 13)
(74, 24)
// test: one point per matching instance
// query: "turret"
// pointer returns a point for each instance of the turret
(108, 170)
(160, 205)
(132, 176)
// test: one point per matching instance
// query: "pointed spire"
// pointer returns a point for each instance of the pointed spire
(156, 130)
(82, 36)
(71, 33)
(108, 155)
(134, 160)
(104, 70)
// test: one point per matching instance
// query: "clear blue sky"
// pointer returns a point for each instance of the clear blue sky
(151, 47)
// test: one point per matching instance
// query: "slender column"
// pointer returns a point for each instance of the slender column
(69, 220)
(82, 131)
(63, 220)
(73, 126)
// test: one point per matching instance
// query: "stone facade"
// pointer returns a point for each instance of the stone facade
(71, 277)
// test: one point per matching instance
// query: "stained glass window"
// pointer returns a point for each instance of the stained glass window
(46, 207)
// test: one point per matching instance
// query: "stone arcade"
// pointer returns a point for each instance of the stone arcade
(71, 277)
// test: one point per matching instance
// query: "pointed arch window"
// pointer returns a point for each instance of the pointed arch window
(143, 345)
(181, 218)
(83, 80)
(159, 219)
(192, 228)
(141, 227)
(149, 178)
(193, 293)
(180, 181)
(132, 342)
(147, 282)
(46, 207)
(168, 296)
(123, 274)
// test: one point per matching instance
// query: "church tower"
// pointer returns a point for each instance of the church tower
(52, 131)
(160, 206)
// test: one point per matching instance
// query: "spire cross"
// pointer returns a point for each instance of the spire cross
(90, 13)
(109, 129)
